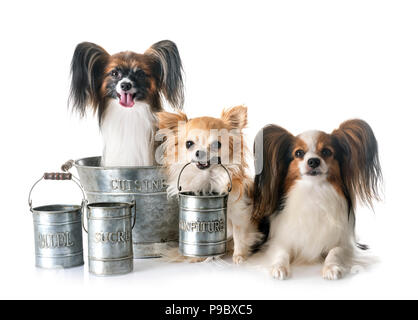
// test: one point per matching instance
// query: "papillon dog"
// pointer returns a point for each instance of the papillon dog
(206, 142)
(305, 193)
(126, 91)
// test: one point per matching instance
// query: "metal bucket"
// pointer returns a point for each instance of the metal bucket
(110, 237)
(203, 222)
(156, 228)
(57, 230)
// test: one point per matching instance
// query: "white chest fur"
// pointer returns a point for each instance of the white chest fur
(313, 221)
(214, 180)
(128, 135)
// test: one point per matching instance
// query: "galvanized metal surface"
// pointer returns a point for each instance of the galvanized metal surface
(110, 237)
(156, 228)
(203, 225)
(58, 236)
(203, 222)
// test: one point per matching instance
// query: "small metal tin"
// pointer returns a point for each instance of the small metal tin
(202, 223)
(156, 229)
(110, 237)
(57, 232)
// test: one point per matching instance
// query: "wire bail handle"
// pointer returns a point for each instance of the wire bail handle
(57, 176)
(181, 171)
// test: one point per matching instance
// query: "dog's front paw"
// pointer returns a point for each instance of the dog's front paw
(280, 272)
(332, 272)
(238, 258)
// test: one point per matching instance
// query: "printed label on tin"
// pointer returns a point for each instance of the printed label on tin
(202, 226)
(145, 185)
(55, 240)
(113, 237)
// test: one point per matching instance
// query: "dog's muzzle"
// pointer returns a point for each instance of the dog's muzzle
(202, 165)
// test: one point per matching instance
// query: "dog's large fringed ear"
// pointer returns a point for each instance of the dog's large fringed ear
(87, 72)
(272, 153)
(169, 127)
(359, 160)
(167, 56)
(236, 117)
(168, 120)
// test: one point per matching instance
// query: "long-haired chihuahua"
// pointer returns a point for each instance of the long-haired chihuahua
(206, 142)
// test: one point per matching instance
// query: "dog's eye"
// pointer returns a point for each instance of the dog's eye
(189, 144)
(326, 152)
(216, 145)
(140, 73)
(299, 153)
(115, 74)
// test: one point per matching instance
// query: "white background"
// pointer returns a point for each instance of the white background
(300, 64)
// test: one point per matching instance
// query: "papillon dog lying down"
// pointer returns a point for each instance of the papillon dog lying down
(126, 91)
(206, 142)
(305, 194)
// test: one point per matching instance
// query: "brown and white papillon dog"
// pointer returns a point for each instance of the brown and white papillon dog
(206, 142)
(305, 194)
(126, 91)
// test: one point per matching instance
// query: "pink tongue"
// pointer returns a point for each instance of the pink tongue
(129, 99)
(126, 100)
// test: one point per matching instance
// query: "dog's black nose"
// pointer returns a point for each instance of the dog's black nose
(126, 86)
(314, 162)
(201, 155)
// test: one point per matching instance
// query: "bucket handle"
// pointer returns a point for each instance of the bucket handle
(66, 167)
(181, 171)
(83, 210)
(133, 213)
(58, 176)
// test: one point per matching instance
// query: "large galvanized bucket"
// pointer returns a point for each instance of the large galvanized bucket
(203, 222)
(110, 237)
(156, 228)
(57, 230)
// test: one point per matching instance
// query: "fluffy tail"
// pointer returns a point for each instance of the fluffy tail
(173, 255)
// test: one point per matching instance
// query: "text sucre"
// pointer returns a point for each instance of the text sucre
(113, 237)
